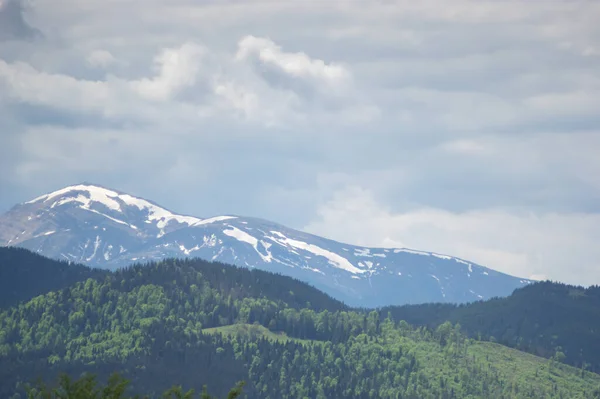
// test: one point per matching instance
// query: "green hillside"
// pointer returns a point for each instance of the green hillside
(542, 319)
(192, 322)
(520, 368)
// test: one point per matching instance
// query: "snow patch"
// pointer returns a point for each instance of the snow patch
(108, 217)
(315, 270)
(155, 213)
(96, 194)
(461, 261)
(209, 241)
(362, 252)
(107, 253)
(247, 238)
(241, 236)
(213, 219)
(474, 293)
(415, 252)
(333, 258)
(186, 251)
(96, 245)
(219, 254)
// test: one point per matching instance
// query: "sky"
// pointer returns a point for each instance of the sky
(465, 128)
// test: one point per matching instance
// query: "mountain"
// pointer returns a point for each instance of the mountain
(105, 228)
(193, 322)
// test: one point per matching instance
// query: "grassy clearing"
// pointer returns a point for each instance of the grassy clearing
(254, 331)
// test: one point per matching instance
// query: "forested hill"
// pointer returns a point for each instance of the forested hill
(542, 319)
(24, 275)
(196, 323)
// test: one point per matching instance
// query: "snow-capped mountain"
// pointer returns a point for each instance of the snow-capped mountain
(104, 228)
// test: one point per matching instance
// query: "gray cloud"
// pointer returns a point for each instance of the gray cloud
(13, 25)
(481, 115)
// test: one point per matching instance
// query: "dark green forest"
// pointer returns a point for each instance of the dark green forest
(87, 387)
(194, 323)
(24, 275)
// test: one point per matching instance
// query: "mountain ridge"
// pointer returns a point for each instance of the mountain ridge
(106, 228)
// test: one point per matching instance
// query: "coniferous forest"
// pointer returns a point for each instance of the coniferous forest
(193, 323)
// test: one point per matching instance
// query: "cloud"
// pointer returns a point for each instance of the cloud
(27, 84)
(298, 65)
(190, 79)
(176, 69)
(465, 146)
(472, 114)
(558, 246)
(101, 59)
(13, 25)
(110, 97)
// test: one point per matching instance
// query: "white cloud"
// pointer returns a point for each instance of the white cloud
(295, 64)
(559, 246)
(238, 97)
(177, 68)
(253, 101)
(27, 84)
(101, 59)
(214, 83)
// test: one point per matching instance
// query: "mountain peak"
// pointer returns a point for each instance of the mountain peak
(95, 192)
(87, 195)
